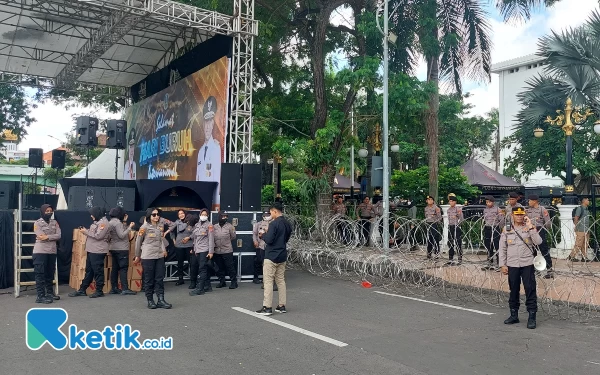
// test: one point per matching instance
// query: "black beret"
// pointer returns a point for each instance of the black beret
(534, 197)
(429, 197)
(452, 198)
(490, 198)
(513, 195)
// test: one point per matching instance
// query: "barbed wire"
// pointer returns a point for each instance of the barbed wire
(336, 247)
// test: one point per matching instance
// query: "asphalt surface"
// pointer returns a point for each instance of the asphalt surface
(384, 335)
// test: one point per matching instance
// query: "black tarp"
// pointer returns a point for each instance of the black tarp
(488, 179)
(7, 239)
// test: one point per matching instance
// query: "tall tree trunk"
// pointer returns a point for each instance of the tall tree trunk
(432, 125)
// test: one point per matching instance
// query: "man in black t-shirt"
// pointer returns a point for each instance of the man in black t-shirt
(276, 238)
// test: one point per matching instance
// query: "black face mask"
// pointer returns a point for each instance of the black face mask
(222, 221)
(47, 217)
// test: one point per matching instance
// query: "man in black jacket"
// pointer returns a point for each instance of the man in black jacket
(276, 238)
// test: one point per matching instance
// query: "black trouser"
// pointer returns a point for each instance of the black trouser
(365, 225)
(44, 266)
(94, 271)
(201, 263)
(258, 262)
(341, 229)
(120, 263)
(491, 242)
(455, 242)
(433, 240)
(183, 254)
(544, 248)
(194, 267)
(527, 275)
(154, 274)
(225, 262)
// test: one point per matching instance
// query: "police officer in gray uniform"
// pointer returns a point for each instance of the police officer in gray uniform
(47, 232)
(119, 250)
(365, 212)
(179, 230)
(258, 230)
(455, 217)
(493, 221)
(150, 248)
(204, 246)
(433, 218)
(96, 247)
(513, 201)
(516, 261)
(224, 233)
(540, 217)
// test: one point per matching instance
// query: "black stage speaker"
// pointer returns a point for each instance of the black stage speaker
(36, 158)
(58, 159)
(35, 201)
(230, 186)
(82, 198)
(251, 177)
(121, 197)
(8, 195)
(116, 131)
(86, 131)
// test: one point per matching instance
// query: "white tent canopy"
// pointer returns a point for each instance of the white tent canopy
(103, 167)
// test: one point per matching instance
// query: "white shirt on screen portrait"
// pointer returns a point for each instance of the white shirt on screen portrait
(129, 172)
(209, 165)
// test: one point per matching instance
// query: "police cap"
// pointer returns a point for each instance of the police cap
(210, 108)
(518, 211)
(132, 137)
(429, 197)
(534, 197)
(452, 198)
(490, 198)
(513, 195)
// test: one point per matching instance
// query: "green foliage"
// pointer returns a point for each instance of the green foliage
(290, 193)
(15, 162)
(414, 183)
(15, 110)
(50, 175)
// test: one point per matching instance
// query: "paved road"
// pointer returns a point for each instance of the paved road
(384, 335)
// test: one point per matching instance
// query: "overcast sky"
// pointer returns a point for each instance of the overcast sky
(509, 41)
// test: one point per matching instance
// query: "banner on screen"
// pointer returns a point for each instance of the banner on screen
(179, 133)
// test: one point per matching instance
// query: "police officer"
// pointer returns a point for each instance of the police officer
(455, 217)
(119, 250)
(493, 221)
(209, 155)
(366, 213)
(96, 247)
(150, 249)
(433, 218)
(516, 261)
(512, 203)
(47, 232)
(258, 229)
(541, 219)
(378, 211)
(224, 233)
(339, 208)
(204, 246)
(179, 230)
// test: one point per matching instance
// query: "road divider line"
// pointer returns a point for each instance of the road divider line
(435, 303)
(594, 363)
(292, 327)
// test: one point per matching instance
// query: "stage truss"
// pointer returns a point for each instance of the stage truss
(106, 46)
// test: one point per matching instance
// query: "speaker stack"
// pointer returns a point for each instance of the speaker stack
(86, 131)
(240, 181)
(36, 158)
(116, 131)
(58, 159)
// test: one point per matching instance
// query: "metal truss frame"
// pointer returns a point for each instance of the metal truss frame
(165, 27)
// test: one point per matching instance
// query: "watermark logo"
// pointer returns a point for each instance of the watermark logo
(43, 326)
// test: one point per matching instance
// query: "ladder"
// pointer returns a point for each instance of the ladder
(23, 228)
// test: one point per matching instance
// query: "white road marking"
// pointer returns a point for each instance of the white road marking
(594, 363)
(292, 327)
(436, 303)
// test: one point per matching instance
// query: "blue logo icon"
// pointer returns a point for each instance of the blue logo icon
(43, 325)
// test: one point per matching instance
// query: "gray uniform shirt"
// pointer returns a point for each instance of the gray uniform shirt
(181, 230)
(98, 237)
(539, 217)
(204, 238)
(119, 235)
(261, 225)
(52, 230)
(378, 208)
(339, 209)
(223, 237)
(365, 211)
(149, 243)
(433, 214)
(513, 251)
(455, 215)
(493, 216)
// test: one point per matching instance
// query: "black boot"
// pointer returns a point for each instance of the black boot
(128, 292)
(531, 323)
(97, 294)
(43, 298)
(221, 283)
(180, 282)
(115, 291)
(199, 290)
(192, 285)
(233, 284)
(78, 293)
(151, 304)
(256, 281)
(162, 304)
(208, 287)
(50, 293)
(513, 318)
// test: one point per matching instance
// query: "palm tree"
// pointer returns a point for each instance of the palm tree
(454, 38)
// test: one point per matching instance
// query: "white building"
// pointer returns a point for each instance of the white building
(513, 75)
(10, 147)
